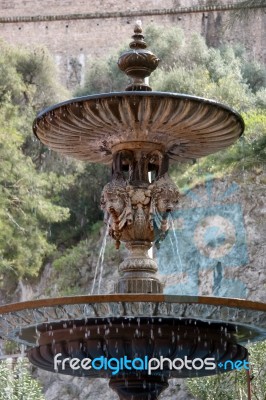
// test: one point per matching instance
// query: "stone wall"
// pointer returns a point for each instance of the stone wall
(22, 8)
(78, 32)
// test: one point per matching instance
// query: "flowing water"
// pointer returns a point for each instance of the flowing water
(99, 265)
(175, 247)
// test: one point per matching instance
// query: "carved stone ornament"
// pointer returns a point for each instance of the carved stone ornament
(138, 213)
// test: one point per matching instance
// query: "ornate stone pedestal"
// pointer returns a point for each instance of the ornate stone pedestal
(139, 388)
(138, 271)
(139, 212)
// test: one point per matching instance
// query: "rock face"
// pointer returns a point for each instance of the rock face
(218, 244)
(67, 388)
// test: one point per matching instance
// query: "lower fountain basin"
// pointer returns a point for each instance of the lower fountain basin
(185, 330)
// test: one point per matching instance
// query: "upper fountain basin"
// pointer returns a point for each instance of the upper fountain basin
(91, 128)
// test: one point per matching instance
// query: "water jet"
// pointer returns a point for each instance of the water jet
(138, 132)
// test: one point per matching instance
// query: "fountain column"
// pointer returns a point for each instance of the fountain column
(139, 211)
(142, 388)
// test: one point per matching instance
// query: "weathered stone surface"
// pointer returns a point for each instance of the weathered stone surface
(67, 388)
(240, 273)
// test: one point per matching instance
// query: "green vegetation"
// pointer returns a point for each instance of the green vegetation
(26, 210)
(72, 261)
(38, 187)
(249, 153)
(82, 196)
(16, 382)
(74, 269)
(110, 78)
(26, 194)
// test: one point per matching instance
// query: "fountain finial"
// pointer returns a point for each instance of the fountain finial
(138, 38)
(138, 63)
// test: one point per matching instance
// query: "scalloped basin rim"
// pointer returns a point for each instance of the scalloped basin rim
(155, 298)
(89, 128)
(139, 94)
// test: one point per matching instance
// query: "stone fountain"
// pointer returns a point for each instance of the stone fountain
(138, 132)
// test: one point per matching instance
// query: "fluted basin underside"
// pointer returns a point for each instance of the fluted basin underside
(90, 128)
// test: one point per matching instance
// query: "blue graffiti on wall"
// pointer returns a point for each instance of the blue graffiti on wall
(210, 237)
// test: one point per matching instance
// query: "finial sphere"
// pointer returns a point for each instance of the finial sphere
(138, 63)
(138, 26)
